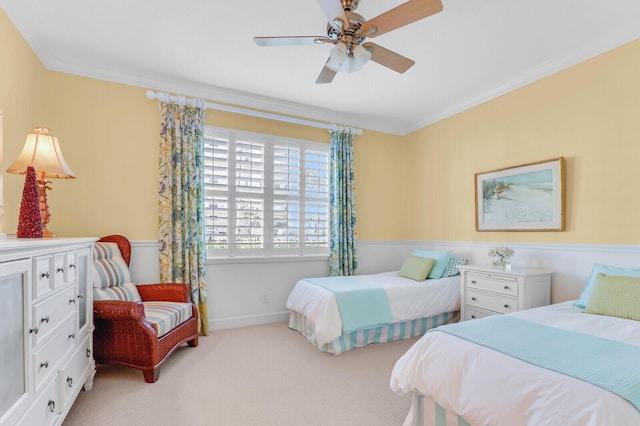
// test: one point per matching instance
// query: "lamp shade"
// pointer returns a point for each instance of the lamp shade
(42, 151)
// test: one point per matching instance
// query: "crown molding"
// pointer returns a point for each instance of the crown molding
(164, 83)
(614, 40)
(160, 82)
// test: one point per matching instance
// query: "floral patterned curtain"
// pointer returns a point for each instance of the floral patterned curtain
(183, 256)
(343, 258)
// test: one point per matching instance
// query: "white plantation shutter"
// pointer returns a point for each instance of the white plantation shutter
(249, 223)
(286, 170)
(286, 194)
(216, 180)
(286, 224)
(249, 167)
(316, 209)
(265, 195)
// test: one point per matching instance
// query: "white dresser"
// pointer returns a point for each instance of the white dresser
(46, 317)
(488, 291)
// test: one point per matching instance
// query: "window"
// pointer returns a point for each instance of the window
(265, 195)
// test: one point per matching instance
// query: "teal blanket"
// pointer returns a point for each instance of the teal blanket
(609, 364)
(361, 304)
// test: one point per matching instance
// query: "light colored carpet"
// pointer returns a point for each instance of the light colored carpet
(262, 375)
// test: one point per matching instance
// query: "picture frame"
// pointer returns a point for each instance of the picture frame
(527, 197)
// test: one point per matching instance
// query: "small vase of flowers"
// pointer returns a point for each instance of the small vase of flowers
(501, 256)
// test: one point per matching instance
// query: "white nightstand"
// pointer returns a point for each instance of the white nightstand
(489, 291)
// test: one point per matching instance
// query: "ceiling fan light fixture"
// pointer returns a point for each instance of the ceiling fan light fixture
(358, 57)
(337, 57)
(361, 55)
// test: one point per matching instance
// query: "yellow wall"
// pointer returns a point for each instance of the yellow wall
(589, 113)
(21, 89)
(416, 187)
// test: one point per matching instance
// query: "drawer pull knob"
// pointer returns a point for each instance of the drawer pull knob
(52, 406)
(473, 282)
(44, 364)
(45, 319)
(72, 266)
(33, 330)
(473, 298)
(72, 336)
(44, 275)
(506, 306)
(69, 382)
(473, 316)
(72, 300)
(506, 287)
(88, 353)
(59, 270)
(80, 297)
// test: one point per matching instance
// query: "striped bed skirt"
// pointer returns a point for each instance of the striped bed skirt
(427, 412)
(380, 334)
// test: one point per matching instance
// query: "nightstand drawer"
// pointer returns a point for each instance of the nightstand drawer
(502, 285)
(474, 313)
(491, 302)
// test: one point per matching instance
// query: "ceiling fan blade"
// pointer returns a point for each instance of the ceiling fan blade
(399, 16)
(290, 41)
(389, 59)
(326, 75)
(333, 9)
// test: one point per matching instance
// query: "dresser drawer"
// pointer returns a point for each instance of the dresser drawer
(503, 285)
(47, 359)
(50, 313)
(73, 373)
(71, 267)
(491, 302)
(59, 264)
(43, 278)
(44, 411)
(474, 313)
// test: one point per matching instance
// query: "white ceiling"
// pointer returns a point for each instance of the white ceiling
(470, 52)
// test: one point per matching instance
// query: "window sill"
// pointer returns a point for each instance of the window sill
(267, 259)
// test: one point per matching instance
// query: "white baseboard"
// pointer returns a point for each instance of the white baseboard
(248, 320)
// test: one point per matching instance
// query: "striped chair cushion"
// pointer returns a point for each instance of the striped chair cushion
(111, 277)
(126, 291)
(165, 316)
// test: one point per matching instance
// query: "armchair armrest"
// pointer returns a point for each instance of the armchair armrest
(165, 292)
(125, 319)
(118, 310)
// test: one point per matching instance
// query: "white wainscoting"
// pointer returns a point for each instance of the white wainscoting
(244, 292)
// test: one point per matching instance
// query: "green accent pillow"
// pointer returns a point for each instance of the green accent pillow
(441, 261)
(615, 296)
(416, 268)
(605, 269)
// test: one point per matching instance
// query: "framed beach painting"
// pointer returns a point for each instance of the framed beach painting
(528, 197)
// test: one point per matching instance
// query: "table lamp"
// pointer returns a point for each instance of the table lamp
(42, 152)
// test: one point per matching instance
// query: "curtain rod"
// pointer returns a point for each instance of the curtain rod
(165, 97)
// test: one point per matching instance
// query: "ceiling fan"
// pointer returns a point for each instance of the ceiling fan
(347, 31)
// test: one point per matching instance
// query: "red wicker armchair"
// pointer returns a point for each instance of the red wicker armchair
(122, 333)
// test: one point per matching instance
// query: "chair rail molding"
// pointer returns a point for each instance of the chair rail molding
(245, 292)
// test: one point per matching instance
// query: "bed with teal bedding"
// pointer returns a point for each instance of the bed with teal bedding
(556, 365)
(340, 313)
